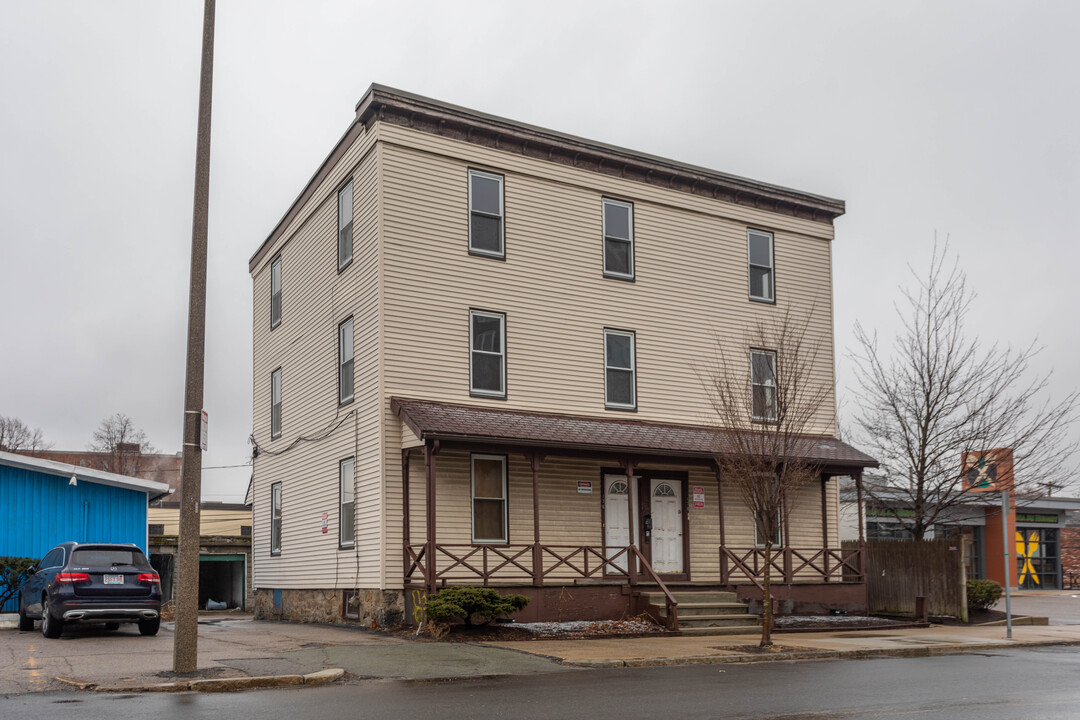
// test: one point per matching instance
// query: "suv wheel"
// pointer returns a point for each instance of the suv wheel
(25, 622)
(50, 626)
(149, 627)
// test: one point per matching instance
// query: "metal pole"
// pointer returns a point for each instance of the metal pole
(186, 639)
(1008, 573)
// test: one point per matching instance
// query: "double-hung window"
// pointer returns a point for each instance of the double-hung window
(275, 519)
(620, 382)
(347, 519)
(275, 293)
(486, 233)
(344, 226)
(489, 499)
(275, 404)
(487, 354)
(618, 239)
(759, 250)
(345, 362)
(763, 385)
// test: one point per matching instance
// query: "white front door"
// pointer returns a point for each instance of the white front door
(617, 519)
(667, 526)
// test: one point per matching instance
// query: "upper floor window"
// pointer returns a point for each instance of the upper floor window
(275, 403)
(489, 499)
(763, 385)
(487, 353)
(344, 226)
(486, 214)
(345, 362)
(275, 519)
(275, 293)
(759, 249)
(620, 391)
(347, 519)
(618, 239)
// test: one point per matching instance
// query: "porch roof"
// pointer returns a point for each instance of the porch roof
(431, 420)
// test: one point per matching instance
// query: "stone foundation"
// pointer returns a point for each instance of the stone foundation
(365, 608)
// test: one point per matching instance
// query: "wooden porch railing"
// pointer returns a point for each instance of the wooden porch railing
(483, 564)
(792, 564)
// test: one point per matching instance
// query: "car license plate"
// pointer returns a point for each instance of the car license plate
(114, 579)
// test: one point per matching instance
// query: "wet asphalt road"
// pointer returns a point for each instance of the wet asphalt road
(1034, 684)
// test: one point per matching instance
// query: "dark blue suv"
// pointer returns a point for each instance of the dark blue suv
(91, 583)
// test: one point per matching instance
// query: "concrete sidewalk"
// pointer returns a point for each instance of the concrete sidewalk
(250, 653)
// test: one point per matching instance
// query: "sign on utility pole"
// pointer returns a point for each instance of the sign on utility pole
(186, 639)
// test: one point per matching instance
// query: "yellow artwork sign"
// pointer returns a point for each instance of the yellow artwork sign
(1026, 549)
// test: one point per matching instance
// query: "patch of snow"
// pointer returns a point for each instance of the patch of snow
(589, 627)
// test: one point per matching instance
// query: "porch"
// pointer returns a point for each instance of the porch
(549, 511)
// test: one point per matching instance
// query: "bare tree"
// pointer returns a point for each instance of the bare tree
(942, 396)
(769, 414)
(16, 436)
(122, 443)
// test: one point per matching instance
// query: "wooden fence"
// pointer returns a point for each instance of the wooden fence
(899, 570)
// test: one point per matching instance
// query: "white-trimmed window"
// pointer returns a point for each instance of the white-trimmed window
(759, 250)
(486, 234)
(487, 353)
(618, 239)
(489, 499)
(275, 293)
(275, 404)
(275, 519)
(347, 516)
(345, 362)
(620, 382)
(344, 226)
(763, 385)
(778, 536)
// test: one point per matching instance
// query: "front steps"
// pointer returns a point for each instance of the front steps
(708, 612)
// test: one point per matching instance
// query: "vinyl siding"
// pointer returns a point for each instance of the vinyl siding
(211, 522)
(689, 298)
(316, 298)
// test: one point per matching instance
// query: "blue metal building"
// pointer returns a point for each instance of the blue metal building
(43, 503)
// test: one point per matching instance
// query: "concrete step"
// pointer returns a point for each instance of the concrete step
(748, 630)
(719, 621)
(694, 608)
(687, 596)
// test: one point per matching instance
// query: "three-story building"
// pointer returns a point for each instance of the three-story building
(476, 356)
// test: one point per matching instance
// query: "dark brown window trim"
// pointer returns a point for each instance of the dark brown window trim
(337, 364)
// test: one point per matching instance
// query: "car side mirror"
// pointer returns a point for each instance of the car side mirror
(31, 570)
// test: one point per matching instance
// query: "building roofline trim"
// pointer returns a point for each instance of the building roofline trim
(153, 489)
(386, 104)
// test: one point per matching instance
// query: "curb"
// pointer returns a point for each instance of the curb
(321, 677)
(864, 653)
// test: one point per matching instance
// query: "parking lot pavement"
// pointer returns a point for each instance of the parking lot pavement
(1062, 607)
(241, 647)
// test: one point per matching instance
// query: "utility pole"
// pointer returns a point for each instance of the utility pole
(186, 640)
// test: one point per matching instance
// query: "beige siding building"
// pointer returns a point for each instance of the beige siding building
(479, 353)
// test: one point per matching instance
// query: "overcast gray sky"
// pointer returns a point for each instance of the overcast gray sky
(955, 118)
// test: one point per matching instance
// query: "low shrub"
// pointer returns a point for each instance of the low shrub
(982, 594)
(12, 575)
(472, 605)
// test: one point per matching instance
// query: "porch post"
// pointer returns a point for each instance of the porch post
(631, 559)
(430, 450)
(862, 533)
(788, 576)
(405, 512)
(720, 510)
(825, 524)
(537, 553)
